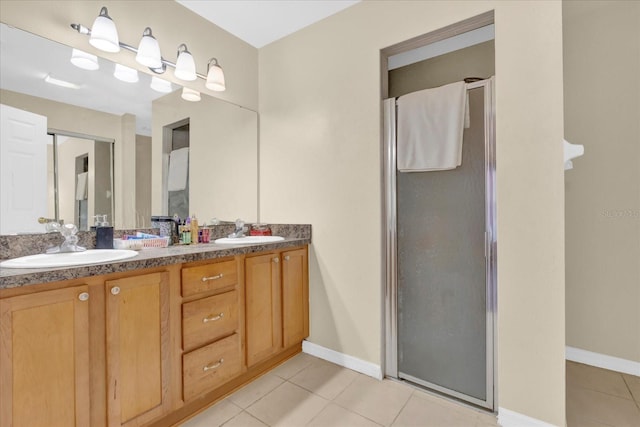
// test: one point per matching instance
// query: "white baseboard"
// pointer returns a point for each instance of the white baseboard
(508, 418)
(602, 361)
(350, 362)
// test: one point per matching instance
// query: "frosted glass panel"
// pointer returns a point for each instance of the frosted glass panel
(441, 269)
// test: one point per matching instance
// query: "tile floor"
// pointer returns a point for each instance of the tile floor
(600, 398)
(306, 391)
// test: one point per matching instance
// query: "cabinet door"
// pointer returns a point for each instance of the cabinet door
(263, 307)
(44, 359)
(295, 296)
(137, 310)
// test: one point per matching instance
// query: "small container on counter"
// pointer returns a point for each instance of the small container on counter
(260, 230)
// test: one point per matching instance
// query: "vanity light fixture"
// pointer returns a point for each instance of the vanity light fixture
(190, 94)
(160, 85)
(104, 36)
(185, 65)
(84, 60)
(125, 74)
(215, 76)
(149, 50)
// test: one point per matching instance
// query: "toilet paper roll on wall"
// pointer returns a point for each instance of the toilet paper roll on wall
(571, 151)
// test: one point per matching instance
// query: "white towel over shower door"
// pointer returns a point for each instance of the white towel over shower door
(442, 285)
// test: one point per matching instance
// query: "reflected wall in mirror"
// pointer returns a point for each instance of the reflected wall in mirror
(110, 109)
(81, 185)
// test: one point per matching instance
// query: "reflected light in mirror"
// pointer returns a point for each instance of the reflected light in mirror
(190, 94)
(126, 74)
(160, 85)
(104, 35)
(84, 60)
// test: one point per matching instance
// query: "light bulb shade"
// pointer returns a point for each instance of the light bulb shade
(125, 74)
(215, 76)
(185, 65)
(149, 50)
(160, 85)
(84, 60)
(190, 94)
(104, 35)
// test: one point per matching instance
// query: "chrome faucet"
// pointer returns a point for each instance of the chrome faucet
(240, 230)
(70, 243)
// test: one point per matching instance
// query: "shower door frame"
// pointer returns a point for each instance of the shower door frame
(390, 355)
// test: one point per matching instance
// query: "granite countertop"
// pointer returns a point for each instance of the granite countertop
(146, 258)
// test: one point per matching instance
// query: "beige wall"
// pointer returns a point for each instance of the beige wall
(70, 118)
(602, 112)
(320, 163)
(223, 157)
(473, 61)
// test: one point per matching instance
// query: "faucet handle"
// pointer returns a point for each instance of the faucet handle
(68, 230)
(239, 223)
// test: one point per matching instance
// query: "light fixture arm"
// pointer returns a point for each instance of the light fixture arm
(87, 32)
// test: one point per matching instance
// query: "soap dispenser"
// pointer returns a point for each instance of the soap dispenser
(104, 233)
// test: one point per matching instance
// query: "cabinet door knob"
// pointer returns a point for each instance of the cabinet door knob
(216, 277)
(115, 290)
(287, 257)
(213, 317)
(83, 296)
(276, 260)
(213, 365)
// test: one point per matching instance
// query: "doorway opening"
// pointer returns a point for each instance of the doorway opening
(439, 226)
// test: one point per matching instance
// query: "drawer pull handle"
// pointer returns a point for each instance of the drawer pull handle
(206, 279)
(115, 290)
(83, 296)
(276, 260)
(213, 365)
(287, 257)
(213, 318)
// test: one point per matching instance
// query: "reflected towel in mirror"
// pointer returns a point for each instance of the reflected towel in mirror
(178, 168)
(81, 186)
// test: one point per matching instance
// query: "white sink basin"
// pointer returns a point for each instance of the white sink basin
(248, 240)
(91, 256)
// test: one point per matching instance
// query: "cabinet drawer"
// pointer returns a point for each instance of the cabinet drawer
(209, 367)
(208, 277)
(207, 319)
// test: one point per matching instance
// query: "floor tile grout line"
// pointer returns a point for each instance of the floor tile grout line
(603, 392)
(403, 406)
(637, 402)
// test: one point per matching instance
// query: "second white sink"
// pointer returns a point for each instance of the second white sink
(67, 259)
(248, 240)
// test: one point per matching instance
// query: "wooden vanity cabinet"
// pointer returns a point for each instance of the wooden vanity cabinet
(263, 305)
(148, 347)
(44, 359)
(137, 346)
(276, 302)
(212, 328)
(295, 296)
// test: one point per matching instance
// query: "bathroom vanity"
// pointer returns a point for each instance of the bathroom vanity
(150, 340)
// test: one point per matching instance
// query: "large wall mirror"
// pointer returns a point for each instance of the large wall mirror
(98, 124)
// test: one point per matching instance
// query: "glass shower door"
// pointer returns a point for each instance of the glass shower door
(442, 273)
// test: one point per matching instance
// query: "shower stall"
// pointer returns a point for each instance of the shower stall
(440, 290)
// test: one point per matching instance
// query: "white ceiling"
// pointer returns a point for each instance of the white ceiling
(264, 21)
